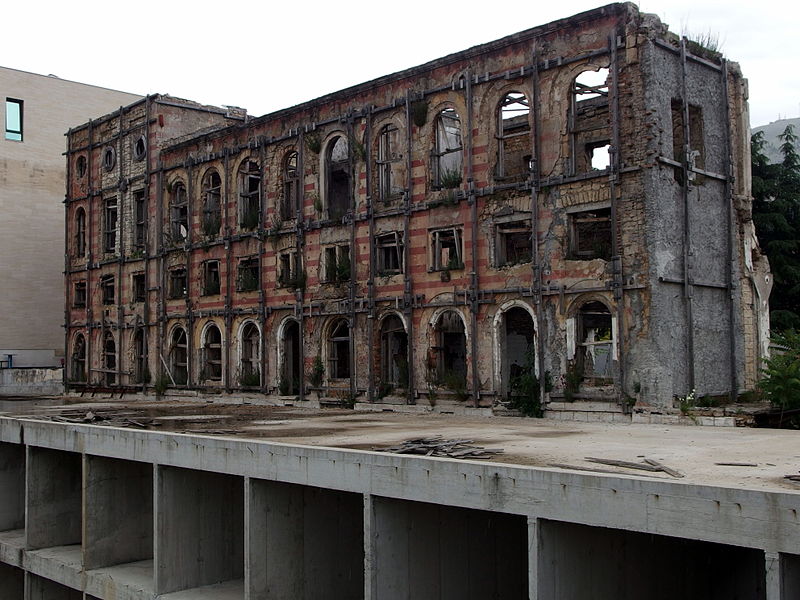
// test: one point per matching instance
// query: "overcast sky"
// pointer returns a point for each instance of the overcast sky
(264, 56)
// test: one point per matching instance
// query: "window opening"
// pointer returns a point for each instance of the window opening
(249, 195)
(290, 372)
(141, 374)
(514, 143)
(110, 225)
(448, 150)
(337, 264)
(338, 178)
(450, 349)
(394, 352)
(109, 158)
(389, 163)
(211, 278)
(79, 359)
(595, 352)
(695, 154)
(177, 283)
(518, 351)
(140, 210)
(212, 355)
(139, 288)
(247, 279)
(80, 232)
(446, 246)
(249, 369)
(513, 243)
(390, 253)
(108, 289)
(212, 219)
(110, 359)
(80, 166)
(339, 350)
(79, 296)
(290, 203)
(179, 213)
(14, 119)
(289, 272)
(590, 234)
(590, 124)
(178, 354)
(140, 148)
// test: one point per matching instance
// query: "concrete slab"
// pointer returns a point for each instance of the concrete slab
(228, 590)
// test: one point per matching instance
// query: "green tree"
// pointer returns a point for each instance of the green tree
(776, 214)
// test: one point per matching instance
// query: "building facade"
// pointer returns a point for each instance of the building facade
(37, 110)
(562, 212)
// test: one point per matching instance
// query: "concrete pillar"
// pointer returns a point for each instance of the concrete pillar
(370, 541)
(118, 509)
(12, 486)
(39, 588)
(782, 576)
(199, 528)
(53, 498)
(12, 582)
(533, 559)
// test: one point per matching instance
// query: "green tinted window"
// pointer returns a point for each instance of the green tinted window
(13, 119)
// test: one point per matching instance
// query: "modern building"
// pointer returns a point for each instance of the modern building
(37, 111)
(561, 213)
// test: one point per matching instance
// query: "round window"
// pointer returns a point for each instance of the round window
(140, 148)
(109, 158)
(80, 166)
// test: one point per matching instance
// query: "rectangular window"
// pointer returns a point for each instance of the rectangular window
(513, 244)
(211, 278)
(247, 278)
(110, 226)
(177, 283)
(694, 153)
(140, 208)
(108, 289)
(139, 290)
(590, 234)
(79, 297)
(390, 253)
(13, 119)
(446, 249)
(337, 264)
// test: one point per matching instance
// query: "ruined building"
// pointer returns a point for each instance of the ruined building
(571, 201)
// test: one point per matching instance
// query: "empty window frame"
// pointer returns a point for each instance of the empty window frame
(394, 352)
(337, 264)
(177, 282)
(140, 148)
(446, 249)
(389, 163)
(212, 195)
(247, 279)
(140, 214)
(289, 269)
(448, 150)
(179, 213)
(80, 232)
(109, 157)
(249, 195)
(389, 253)
(590, 234)
(595, 352)
(339, 350)
(79, 295)
(513, 137)
(109, 358)
(450, 349)
(337, 165)
(139, 287)
(692, 154)
(110, 226)
(589, 122)
(290, 200)
(212, 354)
(108, 289)
(14, 116)
(80, 166)
(178, 356)
(140, 372)
(211, 278)
(78, 360)
(249, 369)
(513, 243)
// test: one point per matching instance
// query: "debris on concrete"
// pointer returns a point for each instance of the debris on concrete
(647, 465)
(438, 446)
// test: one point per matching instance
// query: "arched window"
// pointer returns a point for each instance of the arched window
(211, 355)
(590, 122)
(517, 351)
(80, 166)
(389, 163)
(78, 367)
(110, 358)
(337, 174)
(292, 360)
(290, 201)
(178, 353)
(249, 195)
(212, 190)
(450, 351)
(448, 150)
(339, 350)
(179, 213)
(249, 361)
(140, 373)
(595, 343)
(513, 136)
(394, 352)
(80, 232)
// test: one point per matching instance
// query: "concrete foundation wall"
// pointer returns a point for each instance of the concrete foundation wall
(31, 382)
(12, 486)
(53, 503)
(12, 582)
(39, 588)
